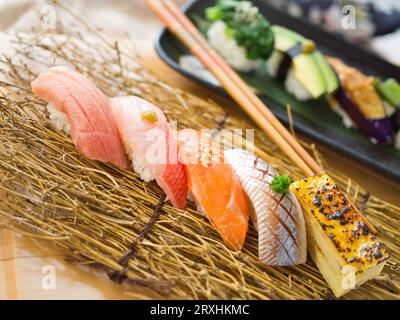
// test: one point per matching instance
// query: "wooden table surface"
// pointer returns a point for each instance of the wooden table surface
(27, 265)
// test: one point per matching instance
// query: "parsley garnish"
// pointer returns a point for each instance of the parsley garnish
(280, 184)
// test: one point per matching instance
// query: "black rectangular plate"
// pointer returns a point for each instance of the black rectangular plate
(316, 120)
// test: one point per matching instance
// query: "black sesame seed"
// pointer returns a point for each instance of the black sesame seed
(337, 215)
(331, 235)
(365, 229)
(317, 201)
(329, 197)
(345, 210)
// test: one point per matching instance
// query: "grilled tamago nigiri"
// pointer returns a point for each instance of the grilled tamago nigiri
(340, 240)
(277, 217)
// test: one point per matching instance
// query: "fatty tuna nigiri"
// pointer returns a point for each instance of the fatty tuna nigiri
(151, 145)
(78, 107)
(215, 187)
(277, 217)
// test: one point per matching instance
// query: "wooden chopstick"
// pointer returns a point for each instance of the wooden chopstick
(260, 114)
(197, 35)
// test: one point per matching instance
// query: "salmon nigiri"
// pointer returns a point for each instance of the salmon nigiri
(151, 145)
(215, 187)
(79, 108)
(277, 217)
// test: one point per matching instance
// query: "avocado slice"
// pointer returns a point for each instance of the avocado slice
(286, 39)
(331, 81)
(309, 74)
(284, 32)
(305, 65)
(390, 91)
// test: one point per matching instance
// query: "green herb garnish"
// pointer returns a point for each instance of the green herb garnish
(250, 29)
(280, 184)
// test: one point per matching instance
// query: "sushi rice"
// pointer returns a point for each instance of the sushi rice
(294, 87)
(140, 167)
(59, 119)
(348, 123)
(274, 62)
(291, 83)
(226, 45)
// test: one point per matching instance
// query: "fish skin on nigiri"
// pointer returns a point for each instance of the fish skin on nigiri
(84, 112)
(215, 186)
(277, 217)
(151, 145)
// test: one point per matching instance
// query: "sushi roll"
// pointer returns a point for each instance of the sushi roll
(240, 33)
(359, 104)
(214, 186)
(80, 109)
(151, 145)
(389, 90)
(297, 63)
(276, 215)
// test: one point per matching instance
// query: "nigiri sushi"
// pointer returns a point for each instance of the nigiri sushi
(358, 102)
(78, 107)
(277, 217)
(151, 145)
(215, 186)
(240, 33)
(300, 66)
(340, 241)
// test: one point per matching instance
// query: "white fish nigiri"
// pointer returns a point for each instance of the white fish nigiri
(277, 217)
(151, 145)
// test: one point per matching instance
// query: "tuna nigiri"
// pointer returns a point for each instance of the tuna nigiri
(151, 145)
(214, 186)
(277, 217)
(78, 107)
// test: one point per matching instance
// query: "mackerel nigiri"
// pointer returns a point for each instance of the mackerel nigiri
(78, 107)
(151, 145)
(277, 217)
(215, 187)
